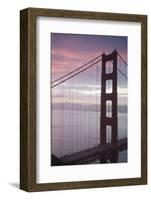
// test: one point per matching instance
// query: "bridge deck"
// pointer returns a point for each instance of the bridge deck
(93, 153)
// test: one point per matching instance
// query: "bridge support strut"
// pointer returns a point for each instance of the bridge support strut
(112, 98)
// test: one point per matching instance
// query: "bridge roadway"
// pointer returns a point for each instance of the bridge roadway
(92, 154)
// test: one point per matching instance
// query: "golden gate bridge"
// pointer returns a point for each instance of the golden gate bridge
(89, 112)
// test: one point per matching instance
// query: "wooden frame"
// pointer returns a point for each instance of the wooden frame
(28, 99)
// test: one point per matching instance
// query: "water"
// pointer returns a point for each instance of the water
(74, 130)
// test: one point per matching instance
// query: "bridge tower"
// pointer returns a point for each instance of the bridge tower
(109, 97)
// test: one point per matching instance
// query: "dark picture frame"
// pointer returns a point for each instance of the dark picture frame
(28, 98)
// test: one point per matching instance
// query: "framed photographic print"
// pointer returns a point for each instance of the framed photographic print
(83, 99)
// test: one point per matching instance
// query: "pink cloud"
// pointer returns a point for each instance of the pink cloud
(71, 60)
(74, 54)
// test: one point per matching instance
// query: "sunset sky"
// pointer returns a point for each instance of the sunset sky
(69, 51)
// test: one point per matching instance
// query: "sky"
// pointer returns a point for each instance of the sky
(69, 51)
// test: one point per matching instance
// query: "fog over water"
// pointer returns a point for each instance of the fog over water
(79, 130)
